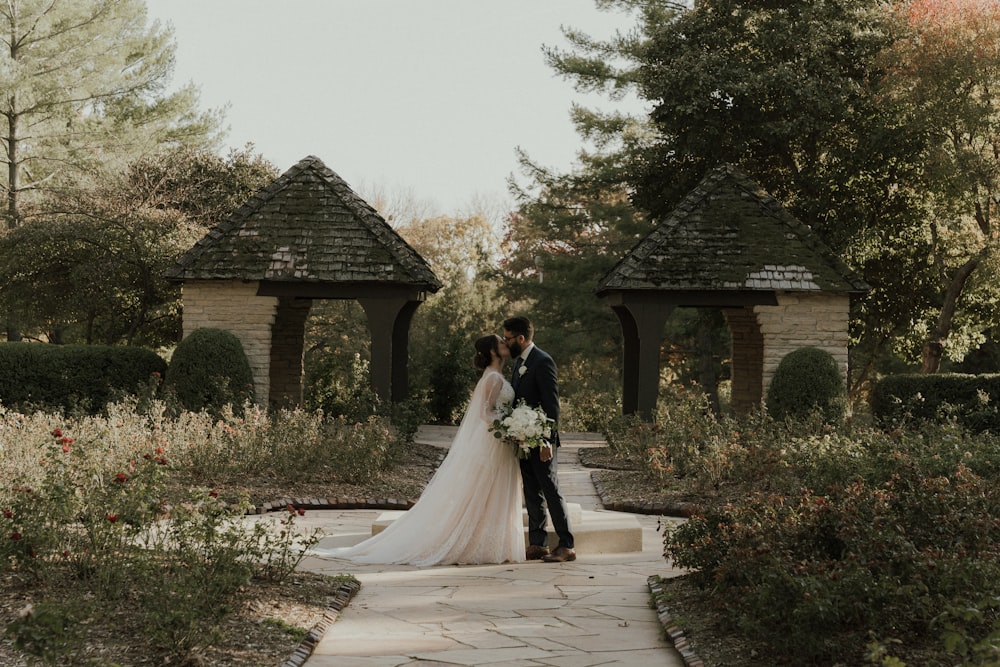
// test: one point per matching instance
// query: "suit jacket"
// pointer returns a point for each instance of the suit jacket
(538, 385)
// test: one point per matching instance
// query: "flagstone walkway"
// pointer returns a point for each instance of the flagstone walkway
(593, 611)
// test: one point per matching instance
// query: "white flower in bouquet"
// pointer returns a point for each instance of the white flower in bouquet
(526, 427)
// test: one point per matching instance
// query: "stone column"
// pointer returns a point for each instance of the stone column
(748, 359)
(287, 351)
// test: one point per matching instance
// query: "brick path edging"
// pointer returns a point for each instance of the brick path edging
(308, 645)
(339, 503)
(683, 510)
(673, 631)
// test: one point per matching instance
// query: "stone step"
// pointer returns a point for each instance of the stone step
(593, 532)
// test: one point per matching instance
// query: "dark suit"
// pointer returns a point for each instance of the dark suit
(538, 385)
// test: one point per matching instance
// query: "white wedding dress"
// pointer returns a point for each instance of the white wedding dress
(470, 511)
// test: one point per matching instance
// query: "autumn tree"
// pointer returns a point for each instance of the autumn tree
(946, 72)
(89, 267)
(461, 250)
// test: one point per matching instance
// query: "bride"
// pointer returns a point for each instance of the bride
(470, 512)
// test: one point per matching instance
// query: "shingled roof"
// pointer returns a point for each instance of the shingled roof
(728, 234)
(308, 226)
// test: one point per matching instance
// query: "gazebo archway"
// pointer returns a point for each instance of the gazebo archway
(730, 245)
(305, 236)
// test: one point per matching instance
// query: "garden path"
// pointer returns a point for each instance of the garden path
(593, 611)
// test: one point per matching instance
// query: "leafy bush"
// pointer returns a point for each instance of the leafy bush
(807, 380)
(863, 534)
(87, 510)
(971, 399)
(352, 397)
(210, 370)
(73, 377)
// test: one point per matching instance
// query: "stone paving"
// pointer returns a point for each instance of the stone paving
(593, 611)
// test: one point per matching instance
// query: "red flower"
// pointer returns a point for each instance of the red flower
(65, 449)
(113, 518)
(302, 511)
(66, 440)
(213, 493)
(121, 478)
(290, 508)
(8, 514)
(56, 433)
(15, 536)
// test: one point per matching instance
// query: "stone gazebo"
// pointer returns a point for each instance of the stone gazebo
(730, 245)
(306, 236)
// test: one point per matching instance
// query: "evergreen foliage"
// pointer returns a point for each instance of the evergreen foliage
(210, 370)
(969, 399)
(73, 377)
(806, 380)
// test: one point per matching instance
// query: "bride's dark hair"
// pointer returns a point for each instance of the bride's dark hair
(484, 346)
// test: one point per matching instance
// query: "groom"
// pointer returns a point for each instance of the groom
(534, 380)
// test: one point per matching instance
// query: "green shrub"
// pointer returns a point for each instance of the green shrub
(807, 380)
(73, 377)
(210, 370)
(352, 397)
(969, 399)
(867, 534)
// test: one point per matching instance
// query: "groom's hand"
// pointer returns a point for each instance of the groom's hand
(545, 453)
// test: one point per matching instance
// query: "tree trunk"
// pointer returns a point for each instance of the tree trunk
(13, 172)
(13, 329)
(933, 349)
(13, 215)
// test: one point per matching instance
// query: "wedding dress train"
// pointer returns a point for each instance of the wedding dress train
(470, 511)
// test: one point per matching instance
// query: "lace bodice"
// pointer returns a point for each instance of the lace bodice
(499, 395)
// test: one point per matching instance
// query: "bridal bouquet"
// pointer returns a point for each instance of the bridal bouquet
(525, 427)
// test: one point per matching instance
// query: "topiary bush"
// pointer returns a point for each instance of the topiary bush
(73, 377)
(972, 400)
(806, 381)
(210, 370)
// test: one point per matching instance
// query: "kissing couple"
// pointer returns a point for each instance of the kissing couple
(470, 511)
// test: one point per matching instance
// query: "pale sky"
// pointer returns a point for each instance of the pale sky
(425, 97)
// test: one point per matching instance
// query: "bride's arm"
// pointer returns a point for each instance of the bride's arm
(492, 385)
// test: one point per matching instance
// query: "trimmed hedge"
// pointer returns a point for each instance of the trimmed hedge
(971, 399)
(73, 377)
(807, 380)
(210, 370)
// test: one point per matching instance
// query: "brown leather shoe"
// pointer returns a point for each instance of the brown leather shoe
(536, 552)
(560, 555)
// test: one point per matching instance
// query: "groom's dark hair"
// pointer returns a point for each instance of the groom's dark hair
(519, 326)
